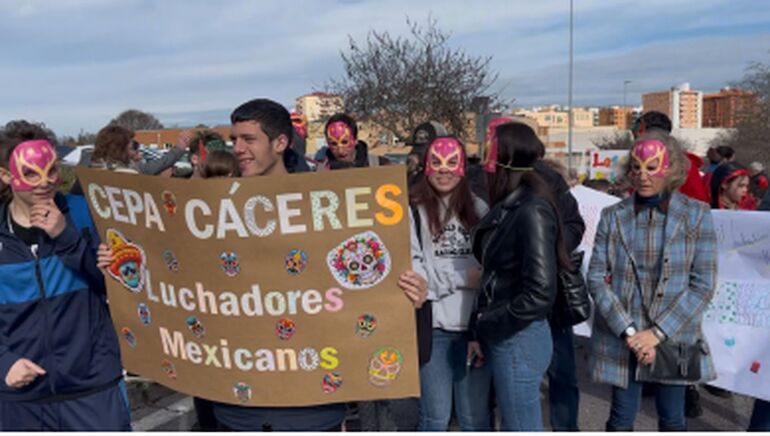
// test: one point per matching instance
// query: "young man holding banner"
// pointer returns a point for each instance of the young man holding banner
(261, 135)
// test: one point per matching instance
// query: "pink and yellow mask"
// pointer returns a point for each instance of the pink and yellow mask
(299, 122)
(490, 162)
(650, 152)
(340, 135)
(445, 154)
(31, 164)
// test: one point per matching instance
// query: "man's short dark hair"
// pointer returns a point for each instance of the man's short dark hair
(726, 151)
(345, 118)
(272, 117)
(656, 120)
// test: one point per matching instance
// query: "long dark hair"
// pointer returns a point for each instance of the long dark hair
(519, 147)
(461, 204)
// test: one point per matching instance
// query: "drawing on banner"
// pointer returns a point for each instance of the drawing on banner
(606, 164)
(740, 303)
(360, 262)
(128, 261)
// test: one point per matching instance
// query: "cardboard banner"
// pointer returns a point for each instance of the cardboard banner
(264, 291)
(737, 322)
(605, 164)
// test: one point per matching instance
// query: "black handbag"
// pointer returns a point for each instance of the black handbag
(677, 361)
(573, 305)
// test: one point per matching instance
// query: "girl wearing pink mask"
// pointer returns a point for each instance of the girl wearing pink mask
(59, 358)
(443, 212)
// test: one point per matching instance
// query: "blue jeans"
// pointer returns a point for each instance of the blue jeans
(563, 393)
(760, 417)
(518, 366)
(446, 376)
(669, 403)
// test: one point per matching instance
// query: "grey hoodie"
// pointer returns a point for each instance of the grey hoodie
(445, 262)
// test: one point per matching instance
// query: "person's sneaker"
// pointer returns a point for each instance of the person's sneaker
(692, 407)
(717, 392)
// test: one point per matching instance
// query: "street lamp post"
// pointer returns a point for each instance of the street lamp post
(569, 121)
(625, 90)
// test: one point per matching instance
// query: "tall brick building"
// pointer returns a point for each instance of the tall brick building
(726, 107)
(618, 116)
(683, 105)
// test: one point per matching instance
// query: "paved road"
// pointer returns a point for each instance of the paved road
(159, 409)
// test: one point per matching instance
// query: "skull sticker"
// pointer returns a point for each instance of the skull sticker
(230, 264)
(360, 262)
(128, 335)
(168, 368)
(128, 261)
(285, 328)
(331, 382)
(384, 366)
(169, 202)
(296, 261)
(366, 325)
(195, 327)
(144, 313)
(171, 261)
(242, 392)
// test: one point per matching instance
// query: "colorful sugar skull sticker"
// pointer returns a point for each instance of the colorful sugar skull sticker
(172, 263)
(366, 325)
(296, 261)
(331, 382)
(31, 164)
(128, 335)
(168, 368)
(144, 313)
(242, 392)
(359, 262)
(128, 261)
(169, 202)
(384, 366)
(230, 264)
(285, 328)
(195, 326)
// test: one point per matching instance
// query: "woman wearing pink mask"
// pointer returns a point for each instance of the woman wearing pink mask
(443, 212)
(59, 358)
(652, 275)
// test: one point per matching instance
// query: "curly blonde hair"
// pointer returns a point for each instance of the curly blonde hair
(679, 165)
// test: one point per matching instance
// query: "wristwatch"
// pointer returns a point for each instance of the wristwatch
(628, 332)
(658, 333)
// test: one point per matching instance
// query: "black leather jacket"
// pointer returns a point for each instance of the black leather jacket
(516, 246)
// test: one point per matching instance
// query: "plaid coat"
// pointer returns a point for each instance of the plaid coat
(676, 303)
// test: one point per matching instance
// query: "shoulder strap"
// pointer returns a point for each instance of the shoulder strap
(417, 222)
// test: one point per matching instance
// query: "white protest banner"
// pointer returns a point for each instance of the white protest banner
(605, 164)
(590, 203)
(737, 323)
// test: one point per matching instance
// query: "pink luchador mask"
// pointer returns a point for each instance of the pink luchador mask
(31, 164)
(340, 135)
(650, 153)
(299, 122)
(445, 154)
(490, 145)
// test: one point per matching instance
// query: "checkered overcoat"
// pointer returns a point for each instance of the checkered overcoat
(676, 303)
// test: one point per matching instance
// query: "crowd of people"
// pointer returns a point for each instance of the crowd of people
(490, 243)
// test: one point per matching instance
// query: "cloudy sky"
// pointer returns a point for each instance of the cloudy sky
(75, 64)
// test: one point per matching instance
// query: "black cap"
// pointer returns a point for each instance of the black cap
(425, 133)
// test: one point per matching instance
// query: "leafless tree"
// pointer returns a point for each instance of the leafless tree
(751, 137)
(399, 82)
(622, 140)
(137, 120)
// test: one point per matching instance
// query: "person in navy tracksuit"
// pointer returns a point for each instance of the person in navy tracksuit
(59, 358)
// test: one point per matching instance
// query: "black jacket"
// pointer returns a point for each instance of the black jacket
(566, 206)
(516, 246)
